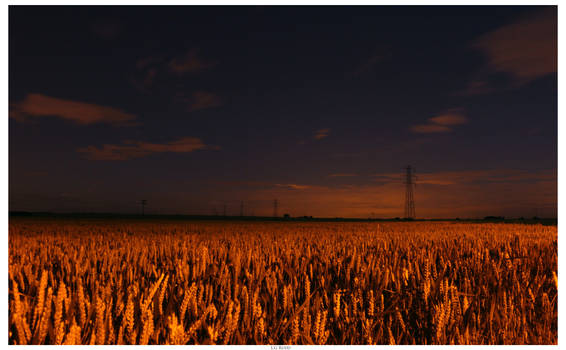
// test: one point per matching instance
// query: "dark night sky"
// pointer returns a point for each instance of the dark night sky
(321, 107)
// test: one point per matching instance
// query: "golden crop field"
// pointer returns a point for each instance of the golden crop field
(150, 282)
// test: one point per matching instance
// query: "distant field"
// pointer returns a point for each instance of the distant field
(173, 282)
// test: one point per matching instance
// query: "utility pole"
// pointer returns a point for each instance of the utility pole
(242, 208)
(143, 204)
(409, 196)
(275, 208)
(224, 210)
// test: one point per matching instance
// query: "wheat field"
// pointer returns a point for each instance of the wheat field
(151, 282)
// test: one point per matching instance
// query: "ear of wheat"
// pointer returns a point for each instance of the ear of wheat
(276, 283)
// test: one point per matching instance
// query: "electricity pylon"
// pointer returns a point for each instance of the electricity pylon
(409, 196)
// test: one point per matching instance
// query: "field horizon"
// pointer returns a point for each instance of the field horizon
(191, 217)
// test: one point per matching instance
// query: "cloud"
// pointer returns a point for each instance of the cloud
(449, 118)
(369, 64)
(471, 193)
(145, 80)
(468, 193)
(476, 87)
(347, 155)
(441, 123)
(38, 105)
(430, 128)
(525, 50)
(322, 133)
(342, 175)
(106, 28)
(138, 149)
(240, 183)
(189, 63)
(200, 100)
(147, 68)
(149, 61)
(444, 178)
(294, 186)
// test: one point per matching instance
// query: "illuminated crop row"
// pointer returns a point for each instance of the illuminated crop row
(117, 282)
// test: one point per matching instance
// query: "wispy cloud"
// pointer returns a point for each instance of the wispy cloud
(190, 62)
(368, 64)
(347, 155)
(322, 133)
(136, 149)
(38, 105)
(449, 118)
(525, 50)
(445, 178)
(199, 100)
(145, 79)
(429, 128)
(240, 183)
(150, 61)
(342, 175)
(106, 28)
(470, 193)
(477, 87)
(441, 123)
(148, 68)
(294, 186)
